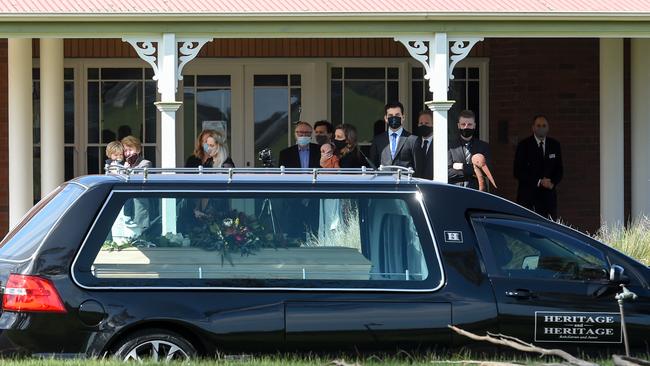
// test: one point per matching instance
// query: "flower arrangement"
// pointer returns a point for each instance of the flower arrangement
(226, 233)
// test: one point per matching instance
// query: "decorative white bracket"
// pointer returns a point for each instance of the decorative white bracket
(152, 50)
(189, 49)
(422, 50)
(146, 51)
(460, 49)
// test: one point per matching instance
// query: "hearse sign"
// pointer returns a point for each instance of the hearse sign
(580, 327)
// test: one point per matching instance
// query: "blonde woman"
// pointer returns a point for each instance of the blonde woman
(210, 151)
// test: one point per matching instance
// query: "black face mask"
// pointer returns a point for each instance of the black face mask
(132, 159)
(394, 122)
(340, 144)
(424, 130)
(467, 132)
(322, 139)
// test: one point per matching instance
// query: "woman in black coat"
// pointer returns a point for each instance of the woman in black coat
(345, 139)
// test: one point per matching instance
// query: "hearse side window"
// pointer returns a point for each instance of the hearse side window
(27, 236)
(524, 250)
(263, 239)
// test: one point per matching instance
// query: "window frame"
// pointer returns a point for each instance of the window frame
(519, 223)
(92, 242)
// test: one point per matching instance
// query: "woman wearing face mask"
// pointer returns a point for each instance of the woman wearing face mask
(345, 140)
(132, 153)
(210, 151)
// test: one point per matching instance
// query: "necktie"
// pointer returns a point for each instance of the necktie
(468, 155)
(541, 148)
(425, 146)
(393, 145)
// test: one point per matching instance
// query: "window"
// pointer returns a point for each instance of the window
(524, 250)
(464, 89)
(120, 103)
(262, 240)
(359, 94)
(206, 105)
(68, 121)
(277, 101)
(28, 235)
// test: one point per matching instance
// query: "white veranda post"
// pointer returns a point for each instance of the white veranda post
(162, 54)
(433, 52)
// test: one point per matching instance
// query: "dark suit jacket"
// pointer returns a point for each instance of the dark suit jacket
(427, 170)
(290, 157)
(457, 155)
(407, 154)
(529, 167)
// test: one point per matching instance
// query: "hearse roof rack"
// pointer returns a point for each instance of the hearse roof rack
(383, 170)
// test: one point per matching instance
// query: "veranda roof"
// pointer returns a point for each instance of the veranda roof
(322, 7)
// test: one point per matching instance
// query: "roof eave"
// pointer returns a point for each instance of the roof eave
(331, 16)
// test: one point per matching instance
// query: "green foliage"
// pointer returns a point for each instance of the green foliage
(633, 240)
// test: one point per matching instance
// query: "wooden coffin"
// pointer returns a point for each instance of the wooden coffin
(283, 263)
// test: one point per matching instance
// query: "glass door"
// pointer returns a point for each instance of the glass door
(274, 103)
(212, 99)
(120, 102)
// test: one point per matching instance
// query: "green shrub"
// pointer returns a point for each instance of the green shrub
(633, 240)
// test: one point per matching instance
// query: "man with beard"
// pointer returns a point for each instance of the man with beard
(465, 151)
(538, 168)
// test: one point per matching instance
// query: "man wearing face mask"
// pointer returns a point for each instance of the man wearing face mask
(460, 168)
(396, 146)
(425, 131)
(304, 154)
(323, 132)
(538, 168)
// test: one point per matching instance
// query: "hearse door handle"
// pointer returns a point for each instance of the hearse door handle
(520, 294)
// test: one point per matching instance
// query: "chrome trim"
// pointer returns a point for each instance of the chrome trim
(299, 289)
(49, 232)
(85, 187)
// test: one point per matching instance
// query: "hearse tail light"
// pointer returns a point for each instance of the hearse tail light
(31, 294)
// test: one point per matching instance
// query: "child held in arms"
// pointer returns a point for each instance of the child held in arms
(114, 154)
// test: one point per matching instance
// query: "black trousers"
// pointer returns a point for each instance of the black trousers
(541, 200)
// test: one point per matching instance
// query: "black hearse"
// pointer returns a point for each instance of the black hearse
(253, 260)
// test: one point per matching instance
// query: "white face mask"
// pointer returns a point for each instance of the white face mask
(303, 140)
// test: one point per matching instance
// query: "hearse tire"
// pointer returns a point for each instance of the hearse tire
(154, 344)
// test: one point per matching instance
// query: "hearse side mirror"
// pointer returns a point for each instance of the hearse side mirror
(617, 276)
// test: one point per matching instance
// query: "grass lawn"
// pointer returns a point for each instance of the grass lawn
(281, 360)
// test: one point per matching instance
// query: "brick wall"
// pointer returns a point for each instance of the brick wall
(4, 162)
(558, 78)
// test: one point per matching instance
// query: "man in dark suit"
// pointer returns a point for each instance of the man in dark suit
(538, 168)
(460, 169)
(425, 132)
(304, 154)
(396, 146)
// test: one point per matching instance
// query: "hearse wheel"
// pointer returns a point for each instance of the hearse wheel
(154, 345)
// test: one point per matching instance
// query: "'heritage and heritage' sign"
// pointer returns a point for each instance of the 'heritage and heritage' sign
(585, 327)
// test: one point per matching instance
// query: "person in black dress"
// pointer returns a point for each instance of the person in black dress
(210, 152)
